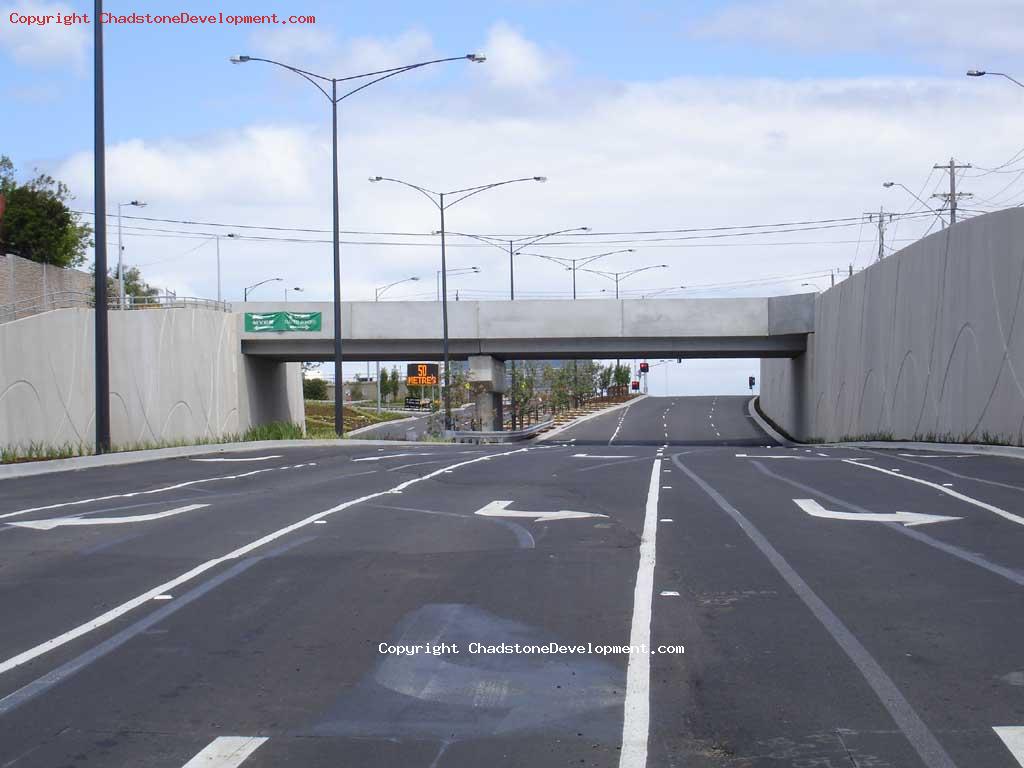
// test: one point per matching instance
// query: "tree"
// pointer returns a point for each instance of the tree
(395, 382)
(37, 223)
(622, 375)
(384, 384)
(314, 389)
(604, 378)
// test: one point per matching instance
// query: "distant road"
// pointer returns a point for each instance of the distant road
(807, 605)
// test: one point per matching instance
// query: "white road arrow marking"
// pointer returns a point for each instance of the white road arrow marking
(815, 509)
(57, 522)
(499, 508)
(1013, 738)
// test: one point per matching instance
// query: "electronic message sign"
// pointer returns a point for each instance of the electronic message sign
(421, 375)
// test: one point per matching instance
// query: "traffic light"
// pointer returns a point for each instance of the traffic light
(644, 367)
(636, 386)
(751, 381)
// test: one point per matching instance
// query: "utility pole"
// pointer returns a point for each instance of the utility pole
(952, 195)
(881, 229)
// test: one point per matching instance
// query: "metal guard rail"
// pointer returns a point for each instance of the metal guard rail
(80, 299)
(505, 436)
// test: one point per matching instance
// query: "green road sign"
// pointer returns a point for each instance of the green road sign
(256, 322)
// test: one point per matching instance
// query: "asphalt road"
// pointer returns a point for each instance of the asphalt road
(264, 611)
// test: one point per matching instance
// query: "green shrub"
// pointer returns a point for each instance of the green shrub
(314, 389)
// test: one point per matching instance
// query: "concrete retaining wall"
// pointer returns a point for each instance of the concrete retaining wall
(174, 374)
(24, 280)
(927, 344)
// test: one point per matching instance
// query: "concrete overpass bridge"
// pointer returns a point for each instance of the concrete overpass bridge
(541, 330)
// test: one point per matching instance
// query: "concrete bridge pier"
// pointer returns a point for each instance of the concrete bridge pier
(487, 381)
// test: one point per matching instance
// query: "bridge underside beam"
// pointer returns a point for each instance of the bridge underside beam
(294, 350)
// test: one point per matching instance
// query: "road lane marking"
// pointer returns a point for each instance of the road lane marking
(910, 723)
(814, 509)
(949, 491)
(500, 508)
(226, 752)
(164, 489)
(54, 677)
(669, 593)
(391, 456)
(164, 597)
(247, 458)
(938, 455)
(1013, 738)
(637, 710)
(59, 522)
(599, 456)
(973, 558)
(169, 586)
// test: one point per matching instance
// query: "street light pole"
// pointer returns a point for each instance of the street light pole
(891, 184)
(377, 293)
(334, 98)
(102, 351)
(120, 252)
(251, 288)
(438, 199)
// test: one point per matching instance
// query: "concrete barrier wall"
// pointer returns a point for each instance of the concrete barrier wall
(927, 344)
(174, 374)
(22, 280)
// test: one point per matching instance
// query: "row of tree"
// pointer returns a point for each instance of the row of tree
(36, 222)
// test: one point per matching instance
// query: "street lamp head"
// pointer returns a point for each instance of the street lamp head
(476, 58)
(585, 229)
(888, 184)
(541, 179)
(414, 279)
(239, 59)
(296, 288)
(137, 203)
(976, 73)
(376, 178)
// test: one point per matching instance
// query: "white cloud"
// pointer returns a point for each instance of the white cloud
(49, 45)
(938, 26)
(682, 153)
(513, 61)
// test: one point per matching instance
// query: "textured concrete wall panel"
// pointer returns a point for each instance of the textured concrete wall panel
(929, 342)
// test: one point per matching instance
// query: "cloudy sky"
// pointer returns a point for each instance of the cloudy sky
(645, 116)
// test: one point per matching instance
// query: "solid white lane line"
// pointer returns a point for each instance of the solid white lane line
(59, 522)
(390, 456)
(164, 489)
(669, 593)
(636, 723)
(247, 458)
(1013, 738)
(949, 491)
(226, 752)
(169, 586)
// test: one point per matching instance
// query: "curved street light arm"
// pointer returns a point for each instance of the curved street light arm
(630, 273)
(591, 259)
(557, 260)
(300, 72)
(470, 191)
(430, 194)
(608, 275)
